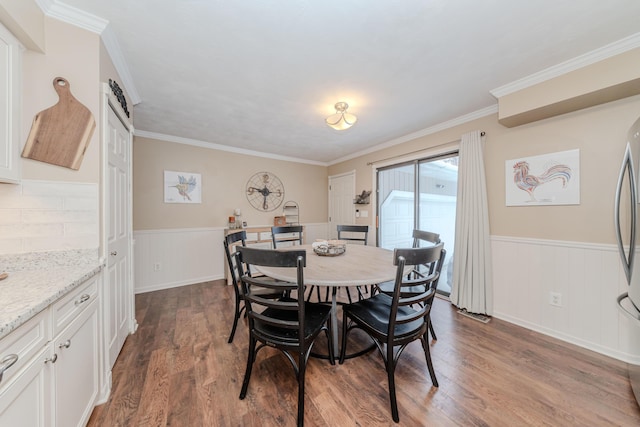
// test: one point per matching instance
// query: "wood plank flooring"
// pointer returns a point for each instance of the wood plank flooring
(178, 370)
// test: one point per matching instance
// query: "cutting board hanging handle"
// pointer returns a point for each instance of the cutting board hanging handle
(62, 86)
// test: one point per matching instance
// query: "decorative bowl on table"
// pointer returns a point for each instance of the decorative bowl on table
(329, 247)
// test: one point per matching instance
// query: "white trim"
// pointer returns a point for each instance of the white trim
(168, 285)
(338, 175)
(492, 109)
(81, 19)
(423, 154)
(115, 52)
(220, 147)
(612, 49)
(74, 16)
(557, 243)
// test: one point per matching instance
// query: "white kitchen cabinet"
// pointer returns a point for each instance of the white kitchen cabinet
(25, 389)
(55, 379)
(10, 71)
(76, 369)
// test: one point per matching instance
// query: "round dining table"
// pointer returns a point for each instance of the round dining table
(359, 265)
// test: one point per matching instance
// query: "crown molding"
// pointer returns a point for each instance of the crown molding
(220, 147)
(72, 15)
(113, 48)
(81, 19)
(612, 49)
(492, 109)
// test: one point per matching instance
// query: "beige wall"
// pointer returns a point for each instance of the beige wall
(72, 53)
(25, 20)
(600, 134)
(224, 176)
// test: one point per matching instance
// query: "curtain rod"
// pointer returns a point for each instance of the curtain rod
(416, 151)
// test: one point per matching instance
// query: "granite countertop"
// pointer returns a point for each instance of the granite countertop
(36, 280)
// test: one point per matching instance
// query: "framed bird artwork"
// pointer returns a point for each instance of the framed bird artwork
(548, 179)
(182, 187)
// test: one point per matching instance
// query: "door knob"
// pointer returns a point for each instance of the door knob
(114, 253)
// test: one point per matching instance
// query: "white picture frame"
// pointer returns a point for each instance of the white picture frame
(548, 179)
(182, 187)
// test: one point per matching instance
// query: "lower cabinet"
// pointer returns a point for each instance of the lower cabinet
(76, 369)
(56, 383)
(26, 400)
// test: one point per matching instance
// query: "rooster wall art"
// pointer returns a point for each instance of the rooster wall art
(528, 182)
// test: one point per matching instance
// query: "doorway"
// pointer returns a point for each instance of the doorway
(420, 194)
(342, 190)
(118, 236)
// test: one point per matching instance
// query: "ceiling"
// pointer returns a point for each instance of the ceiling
(263, 75)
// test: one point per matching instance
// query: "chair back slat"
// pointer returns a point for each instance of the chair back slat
(429, 237)
(258, 307)
(296, 230)
(362, 229)
(230, 242)
(422, 287)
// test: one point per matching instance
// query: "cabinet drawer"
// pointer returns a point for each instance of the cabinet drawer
(66, 309)
(25, 342)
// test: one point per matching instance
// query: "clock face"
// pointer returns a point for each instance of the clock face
(265, 191)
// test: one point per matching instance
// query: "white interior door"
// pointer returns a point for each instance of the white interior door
(119, 295)
(342, 191)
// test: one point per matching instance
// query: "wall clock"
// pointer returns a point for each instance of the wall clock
(265, 191)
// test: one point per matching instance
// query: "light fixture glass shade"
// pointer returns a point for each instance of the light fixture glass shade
(341, 120)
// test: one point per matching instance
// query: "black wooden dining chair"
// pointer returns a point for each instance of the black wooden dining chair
(292, 233)
(354, 233)
(346, 232)
(394, 321)
(420, 236)
(421, 270)
(290, 325)
(231, 241)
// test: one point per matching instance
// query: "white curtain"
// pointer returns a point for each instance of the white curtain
(472, 288)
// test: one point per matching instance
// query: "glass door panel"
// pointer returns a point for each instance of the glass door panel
(437, 186)
(396, 207)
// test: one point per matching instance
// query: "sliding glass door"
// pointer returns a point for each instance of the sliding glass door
(419, 195)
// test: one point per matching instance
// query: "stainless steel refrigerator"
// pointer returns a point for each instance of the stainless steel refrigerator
(626, 215)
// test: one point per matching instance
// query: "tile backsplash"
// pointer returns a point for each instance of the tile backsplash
(38, 216)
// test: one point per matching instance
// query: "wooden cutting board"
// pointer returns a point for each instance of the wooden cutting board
(60, 134)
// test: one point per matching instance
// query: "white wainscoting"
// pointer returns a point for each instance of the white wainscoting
(177, 257)
(589, 278)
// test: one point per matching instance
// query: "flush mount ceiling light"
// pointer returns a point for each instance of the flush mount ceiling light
(341, 120)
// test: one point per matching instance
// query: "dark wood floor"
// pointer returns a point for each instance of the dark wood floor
(178, 370)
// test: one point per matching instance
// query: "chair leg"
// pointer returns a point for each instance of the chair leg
(433, 333)
(427, 354)
(343, 345)
(329, 334)
(247, 374)
(236, 317)
(311, 288)
(301, 374)
(348, 294)
(391, 378)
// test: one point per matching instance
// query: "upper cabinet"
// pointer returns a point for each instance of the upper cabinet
(10, 95)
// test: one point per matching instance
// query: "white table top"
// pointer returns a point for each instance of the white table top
(359, 265)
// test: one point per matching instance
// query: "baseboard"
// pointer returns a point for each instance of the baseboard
(169, 285)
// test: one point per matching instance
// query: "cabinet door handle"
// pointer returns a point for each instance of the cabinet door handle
(51, 359)
(114, 253)
(6, 363)
(65, 344)
(83, 298)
